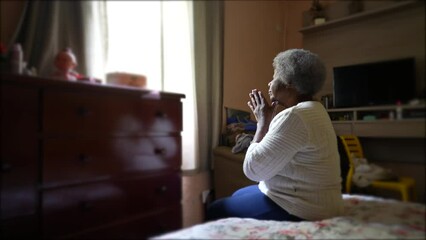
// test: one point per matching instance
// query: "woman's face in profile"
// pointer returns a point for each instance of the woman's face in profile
(277, 90)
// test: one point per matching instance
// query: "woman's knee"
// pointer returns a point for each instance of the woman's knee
(216, 210)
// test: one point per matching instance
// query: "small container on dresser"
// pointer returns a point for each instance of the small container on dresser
(91, 161)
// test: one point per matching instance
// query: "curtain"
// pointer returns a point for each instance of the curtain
(208, 64)
(47, 27)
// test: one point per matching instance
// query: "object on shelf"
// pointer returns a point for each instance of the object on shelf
(391, 115)
(369, 118)
(327, 101)
(317, 13)
(319, 20)
(398, 110)
(127, 79)
(336, 16)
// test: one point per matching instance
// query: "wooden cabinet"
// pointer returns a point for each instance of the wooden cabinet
(380, 121)
(86, 160)
(228, 172)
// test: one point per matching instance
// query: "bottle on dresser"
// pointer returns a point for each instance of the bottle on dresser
(16, 59)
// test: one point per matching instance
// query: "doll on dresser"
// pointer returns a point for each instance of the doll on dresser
(65, 63)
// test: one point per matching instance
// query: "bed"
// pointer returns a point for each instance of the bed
(365, 217)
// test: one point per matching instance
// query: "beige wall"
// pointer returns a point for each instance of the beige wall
(293, 22)
(255, 32)
(253, 36)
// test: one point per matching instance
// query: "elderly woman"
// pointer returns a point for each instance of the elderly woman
(294, 154)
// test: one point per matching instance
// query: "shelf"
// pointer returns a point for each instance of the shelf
(359, 16)
(353, 121)
(376, 113)
(381, 121)
(381, 107)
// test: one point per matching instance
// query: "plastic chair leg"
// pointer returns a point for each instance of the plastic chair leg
(405, 195)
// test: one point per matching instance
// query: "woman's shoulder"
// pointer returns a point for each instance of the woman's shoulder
(301, 112)
(308, 105)
(310, 111)
(309, 108)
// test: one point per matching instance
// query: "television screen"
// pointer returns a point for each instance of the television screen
(378, 83)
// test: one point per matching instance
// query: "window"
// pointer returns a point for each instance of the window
(154, 38)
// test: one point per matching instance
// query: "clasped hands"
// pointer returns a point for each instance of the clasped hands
(262, 110)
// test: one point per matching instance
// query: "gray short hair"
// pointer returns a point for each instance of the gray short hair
(301, 68)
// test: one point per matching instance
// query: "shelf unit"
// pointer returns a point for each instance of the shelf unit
(362, 15)
(380, 121)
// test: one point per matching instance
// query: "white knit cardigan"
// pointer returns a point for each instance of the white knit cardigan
(297, 162)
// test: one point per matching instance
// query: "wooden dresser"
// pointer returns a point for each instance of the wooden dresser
(84, 160)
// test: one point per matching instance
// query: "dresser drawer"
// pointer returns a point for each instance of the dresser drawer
(73, 209)
(70, 160)
(82, 113)
(19, 151)
(140, 228)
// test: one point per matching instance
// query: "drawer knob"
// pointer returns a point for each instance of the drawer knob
(83, 158)
(83, 112)
(160, 151)
(161, 114)
(162, 189)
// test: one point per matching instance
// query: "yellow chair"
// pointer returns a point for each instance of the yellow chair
(353, 148)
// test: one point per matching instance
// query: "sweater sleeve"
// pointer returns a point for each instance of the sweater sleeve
(286, 136)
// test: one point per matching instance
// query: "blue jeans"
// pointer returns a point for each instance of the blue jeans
(248, 202)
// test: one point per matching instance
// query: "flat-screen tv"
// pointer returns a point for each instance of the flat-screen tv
(375, 83)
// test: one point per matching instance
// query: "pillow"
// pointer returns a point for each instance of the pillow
(237, 122)
(235, 115)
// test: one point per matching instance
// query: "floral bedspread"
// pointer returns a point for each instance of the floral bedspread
(365, 218)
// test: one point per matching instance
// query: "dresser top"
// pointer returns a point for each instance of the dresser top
(84, 86)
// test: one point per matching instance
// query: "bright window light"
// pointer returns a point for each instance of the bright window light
(154, 38)
(134, 39)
